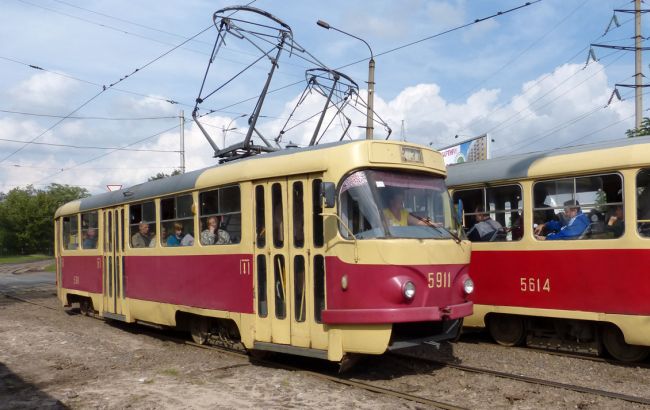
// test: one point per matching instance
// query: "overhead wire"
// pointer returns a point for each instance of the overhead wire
(104, 88)
(537, 82)
(72, 117)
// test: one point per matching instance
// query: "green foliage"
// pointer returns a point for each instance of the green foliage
(639, 132)
(162, 175)
(27, 214)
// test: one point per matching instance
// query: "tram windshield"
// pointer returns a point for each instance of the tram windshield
(396, 204)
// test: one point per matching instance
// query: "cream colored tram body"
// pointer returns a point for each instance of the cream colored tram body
(304, 261)
(581, 289)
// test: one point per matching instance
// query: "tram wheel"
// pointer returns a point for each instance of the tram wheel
(507, 330)
(616, 346)
(86, 307)
(200, 330)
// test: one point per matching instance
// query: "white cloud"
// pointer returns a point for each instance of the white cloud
(43, 90)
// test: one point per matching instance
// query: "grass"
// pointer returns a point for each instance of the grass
(24, 258)
(171, 372)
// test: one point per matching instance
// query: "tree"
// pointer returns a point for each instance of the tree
(162, 175)
(641, 131)
(26, 217)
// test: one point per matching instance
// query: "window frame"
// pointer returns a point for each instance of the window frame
(203, 218)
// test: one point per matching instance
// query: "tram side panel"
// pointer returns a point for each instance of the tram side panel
(216, 282)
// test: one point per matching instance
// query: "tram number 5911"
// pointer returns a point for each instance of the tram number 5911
(439, 279)
(535, 285)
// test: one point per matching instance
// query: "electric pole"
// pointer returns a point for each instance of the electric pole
(638, 56)
(182, 117)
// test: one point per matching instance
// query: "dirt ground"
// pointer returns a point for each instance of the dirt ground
(51, 359)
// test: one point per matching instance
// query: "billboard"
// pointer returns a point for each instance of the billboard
(475, 149)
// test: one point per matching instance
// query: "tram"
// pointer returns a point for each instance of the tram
(585, 288)
(291, 251)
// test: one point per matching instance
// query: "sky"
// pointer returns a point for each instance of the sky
(80, 79)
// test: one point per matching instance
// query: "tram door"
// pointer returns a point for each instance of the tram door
(112, 264)
(280, 266)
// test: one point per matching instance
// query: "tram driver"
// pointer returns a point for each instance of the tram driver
(575, 224)
(397, 215)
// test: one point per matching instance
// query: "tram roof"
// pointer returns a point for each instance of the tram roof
(624, 152)
(255, 167)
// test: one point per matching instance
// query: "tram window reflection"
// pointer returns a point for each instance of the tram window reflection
(319, 287)
(89, 227)
(177, 220)
(262, 307)
(643, 202)
(70, 232)
(492, 214)
(220, 216)
(260, 227)
(317, 210)
(279, 286)
(142, 225)
(299, 288)
(598, 197)
(298, 215)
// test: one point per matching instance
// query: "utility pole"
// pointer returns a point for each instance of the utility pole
(182, 116)
(402, 132)
(638, 59)
(638, 75)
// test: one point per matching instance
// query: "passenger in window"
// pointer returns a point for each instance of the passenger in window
(188, 240)
(643, 210)
(90, 241)
(176, 237)
(485, 229)
(141, 239)
(572, 228)
(616, 222)
(213, 235)
(397, 215)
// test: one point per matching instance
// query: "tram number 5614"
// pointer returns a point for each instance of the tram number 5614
(535, 285)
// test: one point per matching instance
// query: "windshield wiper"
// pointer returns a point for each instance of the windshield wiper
(436, 225)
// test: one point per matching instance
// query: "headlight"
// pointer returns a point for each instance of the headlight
(468, 286)
(409, 290)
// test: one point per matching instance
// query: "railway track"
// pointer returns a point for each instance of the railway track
(527, 379)
(355, 383)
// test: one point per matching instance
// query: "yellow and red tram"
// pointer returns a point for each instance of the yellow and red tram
(305, 260)
(584, 291)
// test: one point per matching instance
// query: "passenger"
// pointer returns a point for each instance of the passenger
(175, 238)
(485, 228)
(90, 242)
(572, 229)
(643, 210)
(395, 213)
(213, 235)
(616, 222)
(141, 239)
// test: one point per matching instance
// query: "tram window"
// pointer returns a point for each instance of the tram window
(220, 216)
(492, 214)
(319, 238)
(262, 307)
(278, 215)
(298, 216)
(319, 287)
(70, 232)
(643, 202)
(89, 224)
(177, 221)
(142, 225)
(260, 230)
(598, 197)
(299, 288)
(279, 286)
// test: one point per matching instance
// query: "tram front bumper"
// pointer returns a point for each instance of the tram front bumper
(397, 315)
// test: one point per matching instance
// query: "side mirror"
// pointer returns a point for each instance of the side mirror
(328, 193)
